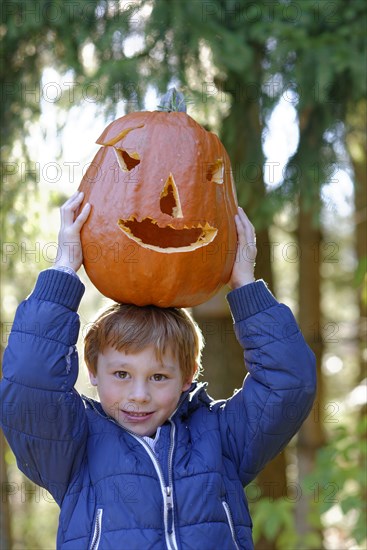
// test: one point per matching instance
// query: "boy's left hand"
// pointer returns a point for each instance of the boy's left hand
(244, 265)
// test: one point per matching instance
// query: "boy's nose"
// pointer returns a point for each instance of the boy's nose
(139, 393)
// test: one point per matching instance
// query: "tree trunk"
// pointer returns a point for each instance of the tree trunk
(360, 195)
(357, 149)
(311, 435)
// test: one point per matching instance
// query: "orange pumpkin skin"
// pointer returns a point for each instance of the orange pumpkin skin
(161, 229)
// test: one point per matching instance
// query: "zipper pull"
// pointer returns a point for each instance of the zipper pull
(169, 497)
(169, 501)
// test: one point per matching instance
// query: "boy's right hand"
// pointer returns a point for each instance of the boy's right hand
(69, 253)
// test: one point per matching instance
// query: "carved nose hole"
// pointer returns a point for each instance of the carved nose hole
(170, 200)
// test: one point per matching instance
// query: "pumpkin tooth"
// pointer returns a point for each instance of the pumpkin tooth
(206, 227)
(124, 227)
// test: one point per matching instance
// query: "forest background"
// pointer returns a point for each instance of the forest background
(283, 83)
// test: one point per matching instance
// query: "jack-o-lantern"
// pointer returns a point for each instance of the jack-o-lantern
(161, 229)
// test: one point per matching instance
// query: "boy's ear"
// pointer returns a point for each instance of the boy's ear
(93, 379)
(189, 380)
(186, 385)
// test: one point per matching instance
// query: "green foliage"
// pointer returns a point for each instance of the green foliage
(315, 61)
(338, 481)
(274, 521)
(341, 465)
(360, 278)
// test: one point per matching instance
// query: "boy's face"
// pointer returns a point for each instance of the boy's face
(138, 390)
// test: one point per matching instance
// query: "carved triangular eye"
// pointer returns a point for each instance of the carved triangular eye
(215, 171)
(169, 200)
(127, 161)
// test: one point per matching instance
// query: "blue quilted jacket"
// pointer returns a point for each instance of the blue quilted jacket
(113, 490)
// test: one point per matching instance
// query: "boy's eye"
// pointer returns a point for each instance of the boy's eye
(121, 374)
(159, 377)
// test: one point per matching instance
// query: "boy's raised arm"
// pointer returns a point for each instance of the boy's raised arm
(42, 415)
(277, 394)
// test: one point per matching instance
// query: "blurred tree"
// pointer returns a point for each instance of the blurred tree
(356, 141)
(316, 58)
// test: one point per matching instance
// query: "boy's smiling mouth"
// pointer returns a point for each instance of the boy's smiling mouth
(134, 415)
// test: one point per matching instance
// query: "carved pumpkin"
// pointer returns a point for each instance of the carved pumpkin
(161, 229)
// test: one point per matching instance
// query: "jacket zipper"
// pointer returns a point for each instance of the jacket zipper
(168, 516)
(97, 530)
(171, 516)
(230, 522)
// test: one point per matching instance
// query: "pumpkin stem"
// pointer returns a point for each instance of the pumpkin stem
(173, 101)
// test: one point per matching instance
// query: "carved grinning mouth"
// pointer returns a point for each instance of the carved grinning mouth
(167, 239)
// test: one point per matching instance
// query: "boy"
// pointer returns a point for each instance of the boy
(156, 464)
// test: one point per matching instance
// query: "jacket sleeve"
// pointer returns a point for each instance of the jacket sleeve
(42, 415)
(279, 390)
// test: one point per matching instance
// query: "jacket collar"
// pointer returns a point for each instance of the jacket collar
(191, 399)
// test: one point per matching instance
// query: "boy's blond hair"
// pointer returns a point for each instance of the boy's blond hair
(130, 328)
